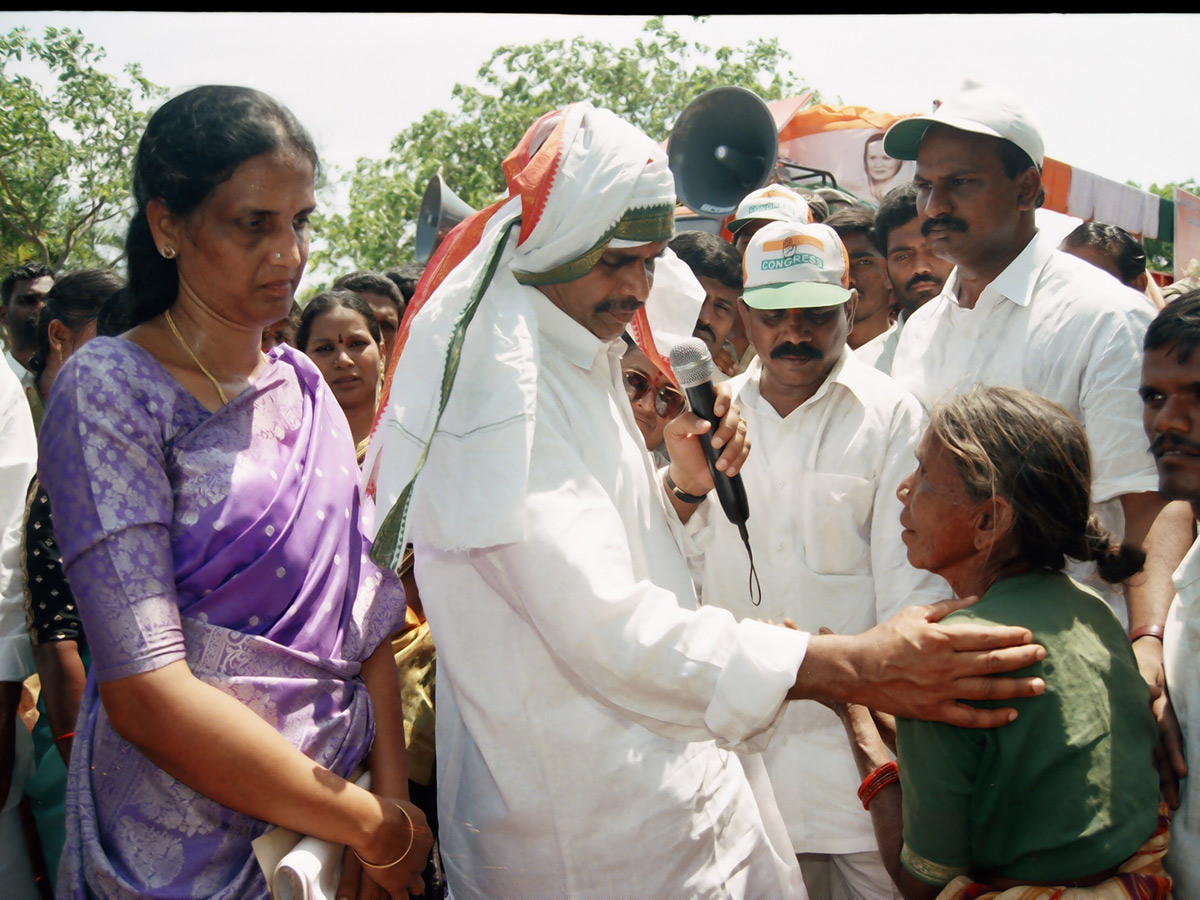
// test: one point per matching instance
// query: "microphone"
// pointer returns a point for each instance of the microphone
(693, 367)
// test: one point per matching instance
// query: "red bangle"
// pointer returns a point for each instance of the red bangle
(63, 737)
(877, 781)
(1154, 631)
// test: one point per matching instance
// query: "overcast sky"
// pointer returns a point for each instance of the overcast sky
(1113, 94)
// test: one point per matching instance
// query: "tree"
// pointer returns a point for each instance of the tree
(67, 138)
(648, 83)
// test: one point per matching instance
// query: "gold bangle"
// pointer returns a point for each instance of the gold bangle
(412, 833)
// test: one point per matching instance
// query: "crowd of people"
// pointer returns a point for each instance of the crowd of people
(455, 527)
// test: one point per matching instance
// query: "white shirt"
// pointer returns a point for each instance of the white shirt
(580, 695)
(1058, 326)
(1181, 649)
(25, 376)
(825, 530)
(18, 460)
(880, 351)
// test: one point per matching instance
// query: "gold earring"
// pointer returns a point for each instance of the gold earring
(168, 252)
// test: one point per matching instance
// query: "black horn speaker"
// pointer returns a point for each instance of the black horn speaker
(722, 147)
(441, 210)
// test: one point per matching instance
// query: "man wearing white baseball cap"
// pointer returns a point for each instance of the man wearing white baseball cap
(773, 203)
(1016, 311)
(833, 439)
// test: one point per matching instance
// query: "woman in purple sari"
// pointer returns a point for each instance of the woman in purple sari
(206, 504)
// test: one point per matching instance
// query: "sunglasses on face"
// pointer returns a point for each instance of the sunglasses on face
(668, 402)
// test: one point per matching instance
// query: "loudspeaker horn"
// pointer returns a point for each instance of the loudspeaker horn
(441, 210)
(722, 147)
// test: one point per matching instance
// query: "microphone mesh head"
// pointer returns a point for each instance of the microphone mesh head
(691, 362)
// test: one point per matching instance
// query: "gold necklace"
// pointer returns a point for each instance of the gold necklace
(179, 337)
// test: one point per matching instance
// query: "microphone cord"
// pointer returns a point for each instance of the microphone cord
(753, 585)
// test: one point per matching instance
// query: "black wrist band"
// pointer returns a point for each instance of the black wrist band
(679, 492)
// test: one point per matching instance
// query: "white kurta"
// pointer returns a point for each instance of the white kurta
(1181, 649)
(824, 526)
(1055, 325)
(880, 351)
(18, 460)
(579, 695)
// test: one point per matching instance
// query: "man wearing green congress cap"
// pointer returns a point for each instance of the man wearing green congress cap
(833, 438)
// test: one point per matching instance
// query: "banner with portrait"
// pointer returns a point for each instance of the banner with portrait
(847, 142)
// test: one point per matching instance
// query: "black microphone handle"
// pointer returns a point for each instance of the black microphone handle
(730, 491)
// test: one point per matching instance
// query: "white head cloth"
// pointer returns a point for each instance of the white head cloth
(591, 173)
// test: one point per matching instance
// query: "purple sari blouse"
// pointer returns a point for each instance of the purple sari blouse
(229, 539)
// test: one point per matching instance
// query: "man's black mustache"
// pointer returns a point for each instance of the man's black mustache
(705, 333)
(799, 351)
(952, 222)
(1173, 442)
(923, 279)
(623, 305)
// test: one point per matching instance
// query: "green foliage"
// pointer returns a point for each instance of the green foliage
(1160, 255)
(648, 83)
(67, 138)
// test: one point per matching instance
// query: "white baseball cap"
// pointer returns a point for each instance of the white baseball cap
(977, 108)
(790, 266)
(775, 203)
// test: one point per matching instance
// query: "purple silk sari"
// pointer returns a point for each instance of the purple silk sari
(229, 539)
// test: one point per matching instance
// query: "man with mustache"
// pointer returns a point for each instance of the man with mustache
(1170, 393)
(22, 294)
(1017, 311)
(916, 274)
(833, 438)
(595, 727)
(718, 268)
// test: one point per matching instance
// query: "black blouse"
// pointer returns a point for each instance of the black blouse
(49, 604)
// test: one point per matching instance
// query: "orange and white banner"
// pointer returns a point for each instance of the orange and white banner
(847, 142)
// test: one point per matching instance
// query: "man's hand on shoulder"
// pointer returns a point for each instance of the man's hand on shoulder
(914, 666)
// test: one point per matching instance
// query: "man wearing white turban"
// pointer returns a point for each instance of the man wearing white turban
(586, 708)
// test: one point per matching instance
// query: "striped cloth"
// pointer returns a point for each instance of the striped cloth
(1141, 877)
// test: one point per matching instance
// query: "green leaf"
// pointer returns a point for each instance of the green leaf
(67, 141)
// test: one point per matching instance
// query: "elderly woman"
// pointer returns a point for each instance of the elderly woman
(1066, 795)
(208, 517)
(341, 335)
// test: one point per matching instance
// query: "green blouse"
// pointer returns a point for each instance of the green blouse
(1067, 790)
